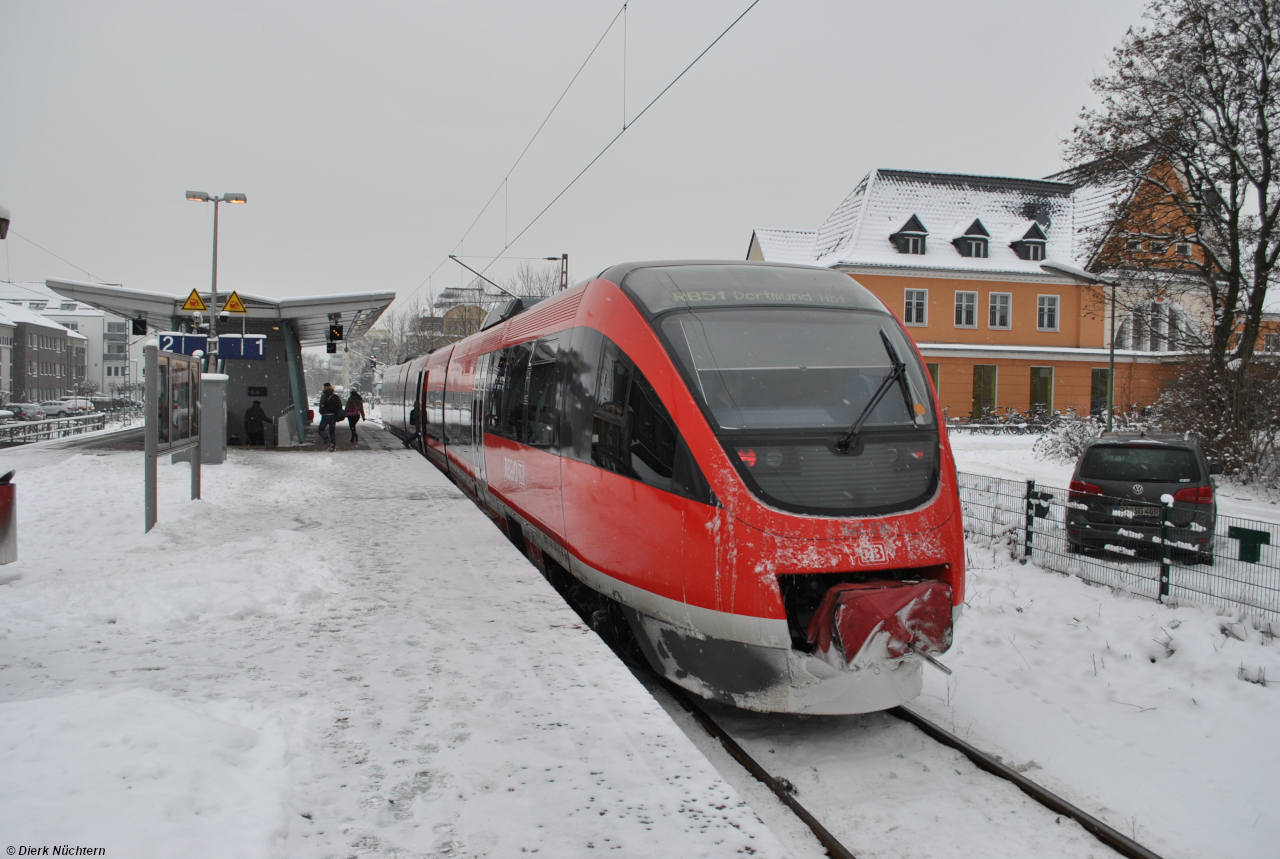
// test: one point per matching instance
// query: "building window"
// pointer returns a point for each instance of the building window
(966, 310)
(984, 389)
(1028, 241)
(1042, 389)
(999, 313)
(917, 302)
(1159, 247)
(71, 326)
(1098, 390)
(67, 305)
(33, 369)
(1133, 245)
(33, 341)
(1272, 341)
(910, 237)
(36, 305)
(1047, 313)
(117, 328)
(935, 373)
(973, 242)
(1183, 249)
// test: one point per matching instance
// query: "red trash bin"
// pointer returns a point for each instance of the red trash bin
(8, 520)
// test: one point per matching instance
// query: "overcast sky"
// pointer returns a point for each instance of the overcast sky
(368, 136)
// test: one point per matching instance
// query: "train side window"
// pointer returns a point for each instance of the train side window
(511, 421)
(540, 427)
(609, 429)
(494, 394)
(615, 369)
(580, 357)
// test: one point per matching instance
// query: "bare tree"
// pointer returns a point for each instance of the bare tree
(1188, 127)
(539, 281)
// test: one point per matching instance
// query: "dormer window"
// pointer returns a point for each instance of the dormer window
(972, 240)
(910, 239)
(1028, 241)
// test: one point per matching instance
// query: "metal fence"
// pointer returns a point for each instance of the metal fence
(25, 432)
(1238, 570)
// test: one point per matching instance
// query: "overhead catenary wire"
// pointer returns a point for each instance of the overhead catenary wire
(600, 154)
(503, 185)
(55, 256)
(624, 130)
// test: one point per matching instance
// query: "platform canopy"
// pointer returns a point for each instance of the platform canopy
(309, 317)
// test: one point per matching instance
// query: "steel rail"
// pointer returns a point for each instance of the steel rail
(1117, 841)
(833, 846)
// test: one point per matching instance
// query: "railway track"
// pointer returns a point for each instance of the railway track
(784, 790)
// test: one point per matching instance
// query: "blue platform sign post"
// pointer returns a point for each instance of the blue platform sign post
(172, 417)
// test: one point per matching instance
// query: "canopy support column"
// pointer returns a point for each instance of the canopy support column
(297, 381)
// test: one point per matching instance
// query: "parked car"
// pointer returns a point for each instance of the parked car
(81, 405)
(26, 411)
(57, 409)
(1117, 490)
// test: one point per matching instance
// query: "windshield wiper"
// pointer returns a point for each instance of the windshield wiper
(897, 373)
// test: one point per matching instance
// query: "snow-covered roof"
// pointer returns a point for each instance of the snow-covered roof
(794, 246)
(18, 313)
(31, 293)
(946, 204)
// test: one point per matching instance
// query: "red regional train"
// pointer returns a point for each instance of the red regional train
(744, 458)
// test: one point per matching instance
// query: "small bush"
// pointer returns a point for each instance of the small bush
(1066, 441)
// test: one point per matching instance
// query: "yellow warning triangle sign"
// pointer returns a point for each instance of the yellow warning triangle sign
(234, 304)
(194, 302)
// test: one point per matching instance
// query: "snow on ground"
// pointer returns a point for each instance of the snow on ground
(331, 655)
(1012, 457)
(1146, 716)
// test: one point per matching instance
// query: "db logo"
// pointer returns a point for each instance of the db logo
(513, 470)
(873, 552)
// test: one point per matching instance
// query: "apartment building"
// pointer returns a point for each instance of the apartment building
(48, 360)
(112, 358)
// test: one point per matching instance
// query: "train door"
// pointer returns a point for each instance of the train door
(503, 424)
(538, 434)
(484, 366)
(623, 455)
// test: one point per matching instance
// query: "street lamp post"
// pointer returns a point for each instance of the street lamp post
(203, 197)
(1111, 372)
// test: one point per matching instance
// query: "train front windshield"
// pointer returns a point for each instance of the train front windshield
(783, 385)
(784, 368)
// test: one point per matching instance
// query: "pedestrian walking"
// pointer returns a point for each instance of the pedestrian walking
(330, 408)
(255, 420)
(413, 422)
(355, 412)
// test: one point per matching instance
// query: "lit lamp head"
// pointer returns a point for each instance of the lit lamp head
(234, 198)
(4, 222)
(198, 196)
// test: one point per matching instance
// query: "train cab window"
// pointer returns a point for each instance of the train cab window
(652, 434)
(633, 434)
(543, 418)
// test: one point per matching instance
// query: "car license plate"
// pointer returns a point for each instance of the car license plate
(1137, 512)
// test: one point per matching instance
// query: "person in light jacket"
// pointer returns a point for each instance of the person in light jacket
(355, 412)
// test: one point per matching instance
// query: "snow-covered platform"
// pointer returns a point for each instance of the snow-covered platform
(332, 654)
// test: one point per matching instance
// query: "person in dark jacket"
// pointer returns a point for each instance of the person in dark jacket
(355, 412)
(413, 422)
(330, 408)
(255, 420)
